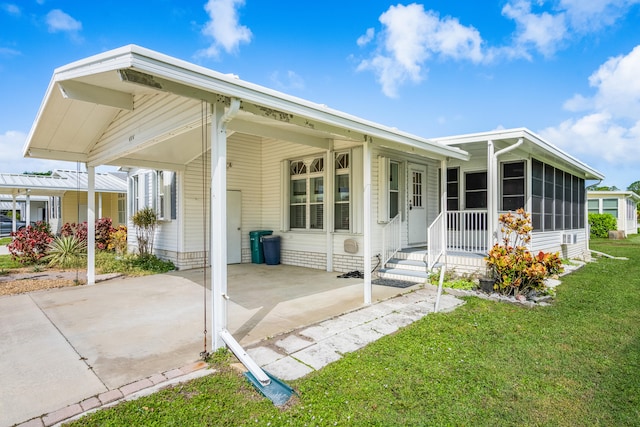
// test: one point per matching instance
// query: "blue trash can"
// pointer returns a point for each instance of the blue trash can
(255, 238)
(271, 246)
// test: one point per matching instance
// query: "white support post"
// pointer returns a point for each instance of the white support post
(13, 212)
(99, 205)
(91, 225)
(367, 222)
(443, 203)
(27, 208)
(329, 195)
(218, 236)
(492, 205)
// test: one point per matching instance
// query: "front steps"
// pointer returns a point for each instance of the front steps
(408, 265)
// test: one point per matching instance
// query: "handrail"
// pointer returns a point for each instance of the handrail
(436, 244)
(391, 239)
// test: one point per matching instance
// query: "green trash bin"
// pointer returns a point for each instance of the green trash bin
(257, 252)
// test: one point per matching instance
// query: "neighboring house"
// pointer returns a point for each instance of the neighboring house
(222, 157)
(622, 205)
(62, 196)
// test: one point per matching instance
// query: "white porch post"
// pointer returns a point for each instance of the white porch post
(13, 212)
(492, 206)
(329, 198)
(218, 237)
(443, 203)
(367, 221)
(27, 208)
(91, 225)
(99, 205)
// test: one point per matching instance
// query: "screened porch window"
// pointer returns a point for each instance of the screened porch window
(342, 192)
(513, 178)
(475, 190)
(306, 198)
(453, 188)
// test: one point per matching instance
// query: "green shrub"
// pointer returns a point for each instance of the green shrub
(601, 224)
(145, 221)
(133, 265)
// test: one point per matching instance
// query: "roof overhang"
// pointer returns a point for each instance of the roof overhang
(135, 107)
(532, 144)
(598, 194)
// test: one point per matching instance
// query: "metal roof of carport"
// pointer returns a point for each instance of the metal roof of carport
(59, 182)
(84, 99)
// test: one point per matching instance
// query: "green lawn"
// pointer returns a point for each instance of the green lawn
(576, 363)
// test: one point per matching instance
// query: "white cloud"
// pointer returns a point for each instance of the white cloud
(5, 51)
(11, 9)
(291, 81)
(12, 161)
(58, 21)
(592, 15)
(411, 36)
(542, 31)
(609, 131)
(364, 39)
(224, 28)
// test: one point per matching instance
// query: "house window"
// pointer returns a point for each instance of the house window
(453, 188)
(122, 208)
(476, 190)
(547, 220)
(513, 178)
(135, 194)
(306, 197)
(558, 200)
(342, 194)
(610, 206)
(394, 189)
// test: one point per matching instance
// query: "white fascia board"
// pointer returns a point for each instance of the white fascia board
(530, 137)
(211, 81)
(598, 194)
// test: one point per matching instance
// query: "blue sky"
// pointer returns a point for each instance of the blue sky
(568, 70)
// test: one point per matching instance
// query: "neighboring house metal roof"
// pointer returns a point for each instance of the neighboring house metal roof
(533, 144)
(59, 182)
(78, 119)
(619, 194)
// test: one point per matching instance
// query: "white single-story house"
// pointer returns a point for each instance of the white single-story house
(219, 157)
(62, 196)
(622, 205)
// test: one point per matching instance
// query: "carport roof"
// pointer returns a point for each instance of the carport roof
(94, 112)
(59, 182)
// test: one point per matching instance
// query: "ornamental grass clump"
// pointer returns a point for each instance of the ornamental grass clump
(66, 252)
(515, 269)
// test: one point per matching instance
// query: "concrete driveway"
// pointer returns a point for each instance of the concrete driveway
(63, 346)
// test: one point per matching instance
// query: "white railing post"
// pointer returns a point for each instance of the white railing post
(391, 239)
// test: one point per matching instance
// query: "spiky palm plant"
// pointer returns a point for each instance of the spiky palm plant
(66, 252)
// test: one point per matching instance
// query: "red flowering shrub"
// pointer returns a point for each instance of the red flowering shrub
(104, 229)
(30, 244)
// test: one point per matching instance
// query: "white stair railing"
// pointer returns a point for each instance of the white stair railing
(391, 239)
(436, 242)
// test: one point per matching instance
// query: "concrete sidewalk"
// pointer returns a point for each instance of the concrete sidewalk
(66, 351)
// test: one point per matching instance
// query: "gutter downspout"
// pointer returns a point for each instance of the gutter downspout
(492, 186)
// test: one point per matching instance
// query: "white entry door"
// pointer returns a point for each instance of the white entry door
(417, 217)
(234, 227)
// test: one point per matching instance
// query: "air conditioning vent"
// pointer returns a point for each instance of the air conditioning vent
(569, 238)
